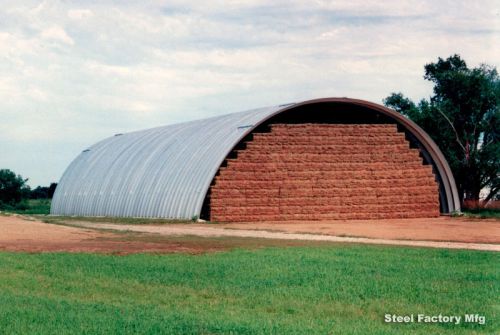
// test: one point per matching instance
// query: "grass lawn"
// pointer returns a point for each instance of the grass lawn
(483, 213)
(30, 206)
(334, 289)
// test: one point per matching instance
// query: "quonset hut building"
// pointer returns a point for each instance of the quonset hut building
(332, 158)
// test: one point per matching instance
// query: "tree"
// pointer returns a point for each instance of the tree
(52, 189)
(39, 192)
(43, 192)
(463, 118)
(13, 188)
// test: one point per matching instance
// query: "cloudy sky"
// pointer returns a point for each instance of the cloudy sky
(74, 72)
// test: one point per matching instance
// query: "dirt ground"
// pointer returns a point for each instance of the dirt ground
(22, 234)
(444, 228)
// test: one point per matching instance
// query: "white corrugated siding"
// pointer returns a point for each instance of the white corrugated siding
(161, 172)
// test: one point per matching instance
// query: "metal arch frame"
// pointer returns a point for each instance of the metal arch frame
(167, 171)
(438, 159)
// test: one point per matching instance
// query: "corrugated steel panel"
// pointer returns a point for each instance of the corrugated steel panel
(166, 171)
(160, 172)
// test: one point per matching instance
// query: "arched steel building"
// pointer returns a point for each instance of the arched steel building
(171, 171)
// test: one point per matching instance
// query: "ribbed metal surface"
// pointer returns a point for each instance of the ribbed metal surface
(159, 172)
(166, 171)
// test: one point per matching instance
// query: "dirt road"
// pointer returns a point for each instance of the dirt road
(19, 234)
(445, 228)
(216, 231)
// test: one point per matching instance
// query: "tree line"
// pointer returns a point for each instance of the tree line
(14, 190)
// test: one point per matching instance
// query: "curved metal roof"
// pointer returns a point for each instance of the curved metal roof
(166, 171)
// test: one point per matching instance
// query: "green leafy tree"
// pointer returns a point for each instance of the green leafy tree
(43, 192)
(13, 188)
(52, 189)
(39, 192)
(463, 118)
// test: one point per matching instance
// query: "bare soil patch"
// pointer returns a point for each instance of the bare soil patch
(19, 233)
(444, 228)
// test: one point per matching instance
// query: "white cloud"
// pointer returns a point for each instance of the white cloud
(79, 14)
(56, 33)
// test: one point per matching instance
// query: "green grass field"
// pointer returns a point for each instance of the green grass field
(335, 289)
(29, 206)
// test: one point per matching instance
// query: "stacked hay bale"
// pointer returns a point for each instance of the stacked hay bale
(325, 172)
